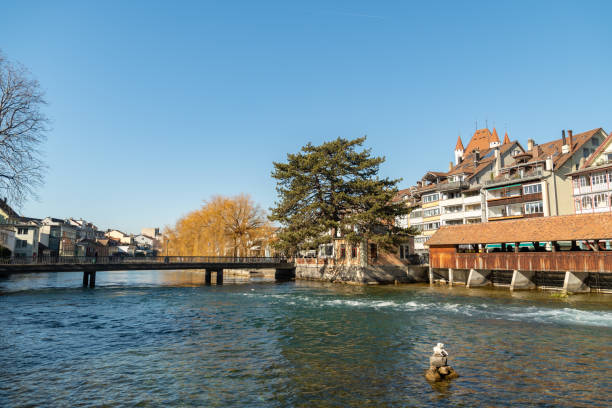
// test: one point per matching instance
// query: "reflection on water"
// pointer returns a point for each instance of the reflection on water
(163, 338)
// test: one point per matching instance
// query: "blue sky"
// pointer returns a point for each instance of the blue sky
(157, 106)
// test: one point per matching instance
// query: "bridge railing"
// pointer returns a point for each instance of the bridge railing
(82, 260)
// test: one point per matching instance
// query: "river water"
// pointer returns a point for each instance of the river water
(156, 338)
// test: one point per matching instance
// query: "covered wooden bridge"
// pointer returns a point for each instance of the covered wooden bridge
(571, 252)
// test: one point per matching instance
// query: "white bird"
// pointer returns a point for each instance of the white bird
(439, 350)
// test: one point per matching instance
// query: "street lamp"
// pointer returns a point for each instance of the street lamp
(167, 240)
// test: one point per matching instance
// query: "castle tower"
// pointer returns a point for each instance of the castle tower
(494, 141)
(506, 139)
(458, 150)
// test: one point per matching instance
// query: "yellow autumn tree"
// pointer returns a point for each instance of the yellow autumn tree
(223, 226)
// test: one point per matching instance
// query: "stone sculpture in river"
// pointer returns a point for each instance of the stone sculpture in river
(438, 368)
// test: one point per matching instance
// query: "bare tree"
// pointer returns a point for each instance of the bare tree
(23, 128)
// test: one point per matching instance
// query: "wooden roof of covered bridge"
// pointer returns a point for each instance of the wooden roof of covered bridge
(541, 229)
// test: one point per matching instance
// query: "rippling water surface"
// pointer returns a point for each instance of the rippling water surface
(163, 339)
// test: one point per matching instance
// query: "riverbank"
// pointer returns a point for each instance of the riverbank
(362, 275)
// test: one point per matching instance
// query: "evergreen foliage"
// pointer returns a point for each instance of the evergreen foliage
(334, 187)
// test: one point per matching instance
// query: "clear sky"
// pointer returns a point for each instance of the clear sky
(157, 106)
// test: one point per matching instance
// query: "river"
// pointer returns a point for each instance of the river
(162, 338)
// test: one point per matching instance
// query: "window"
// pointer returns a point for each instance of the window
(450, 196)
(373, 251)
(585, 181)
(587, 203)
(532, 189)
(454, 222)
(22, 231)
(353, 251)
(577, 204)
(342, 251)
(326, 250)
(598, 178)
(431, 226)
(430, 198)
(416, 214)
(430, 212)
(453, 209)
(534, 208)
(404, 251)
(600, 200)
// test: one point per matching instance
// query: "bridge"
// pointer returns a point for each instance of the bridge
(90, 265)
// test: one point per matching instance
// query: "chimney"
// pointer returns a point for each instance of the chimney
(498, 162)
(450, 166)
(419, 183)
(564, 146)
(563, 137)
(530, 144)
(571, 139)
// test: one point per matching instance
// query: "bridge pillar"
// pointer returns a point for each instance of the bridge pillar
(207, 277)
(478, 278)
(575, 282)
(89, 279)
(522, 280)
(219, 276)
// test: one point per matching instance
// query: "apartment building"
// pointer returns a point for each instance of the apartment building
(454, 197)
(592, 182)
(539, 183)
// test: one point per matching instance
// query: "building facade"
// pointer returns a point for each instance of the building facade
(455, 197)
(539, 182)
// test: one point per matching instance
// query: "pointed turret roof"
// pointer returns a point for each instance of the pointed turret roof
(506, 138)
(459, 145)
(494, 137)
(480, 141)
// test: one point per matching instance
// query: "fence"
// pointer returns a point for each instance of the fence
(106, 260)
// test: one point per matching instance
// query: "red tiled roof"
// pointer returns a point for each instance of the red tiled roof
(494, 137)
(599, 149)
(506, 138)
(541, 229)
(459, 145)
(401, 194)
(481, 140)
(468, 166)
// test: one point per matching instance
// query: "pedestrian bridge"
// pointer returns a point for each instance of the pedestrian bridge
(90, 265)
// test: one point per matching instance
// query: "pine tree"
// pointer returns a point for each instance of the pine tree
(333, 187)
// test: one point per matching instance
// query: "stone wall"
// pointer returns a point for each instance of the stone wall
(363, 274)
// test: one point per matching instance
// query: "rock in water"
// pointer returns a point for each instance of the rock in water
(439, 369)
(432, 375)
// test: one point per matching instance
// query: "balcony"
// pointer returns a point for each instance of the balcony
(472, 199)
(454, 186)
(473, 213)
(515, 178)
(457, 215)
(451, 201)
(514, 199)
